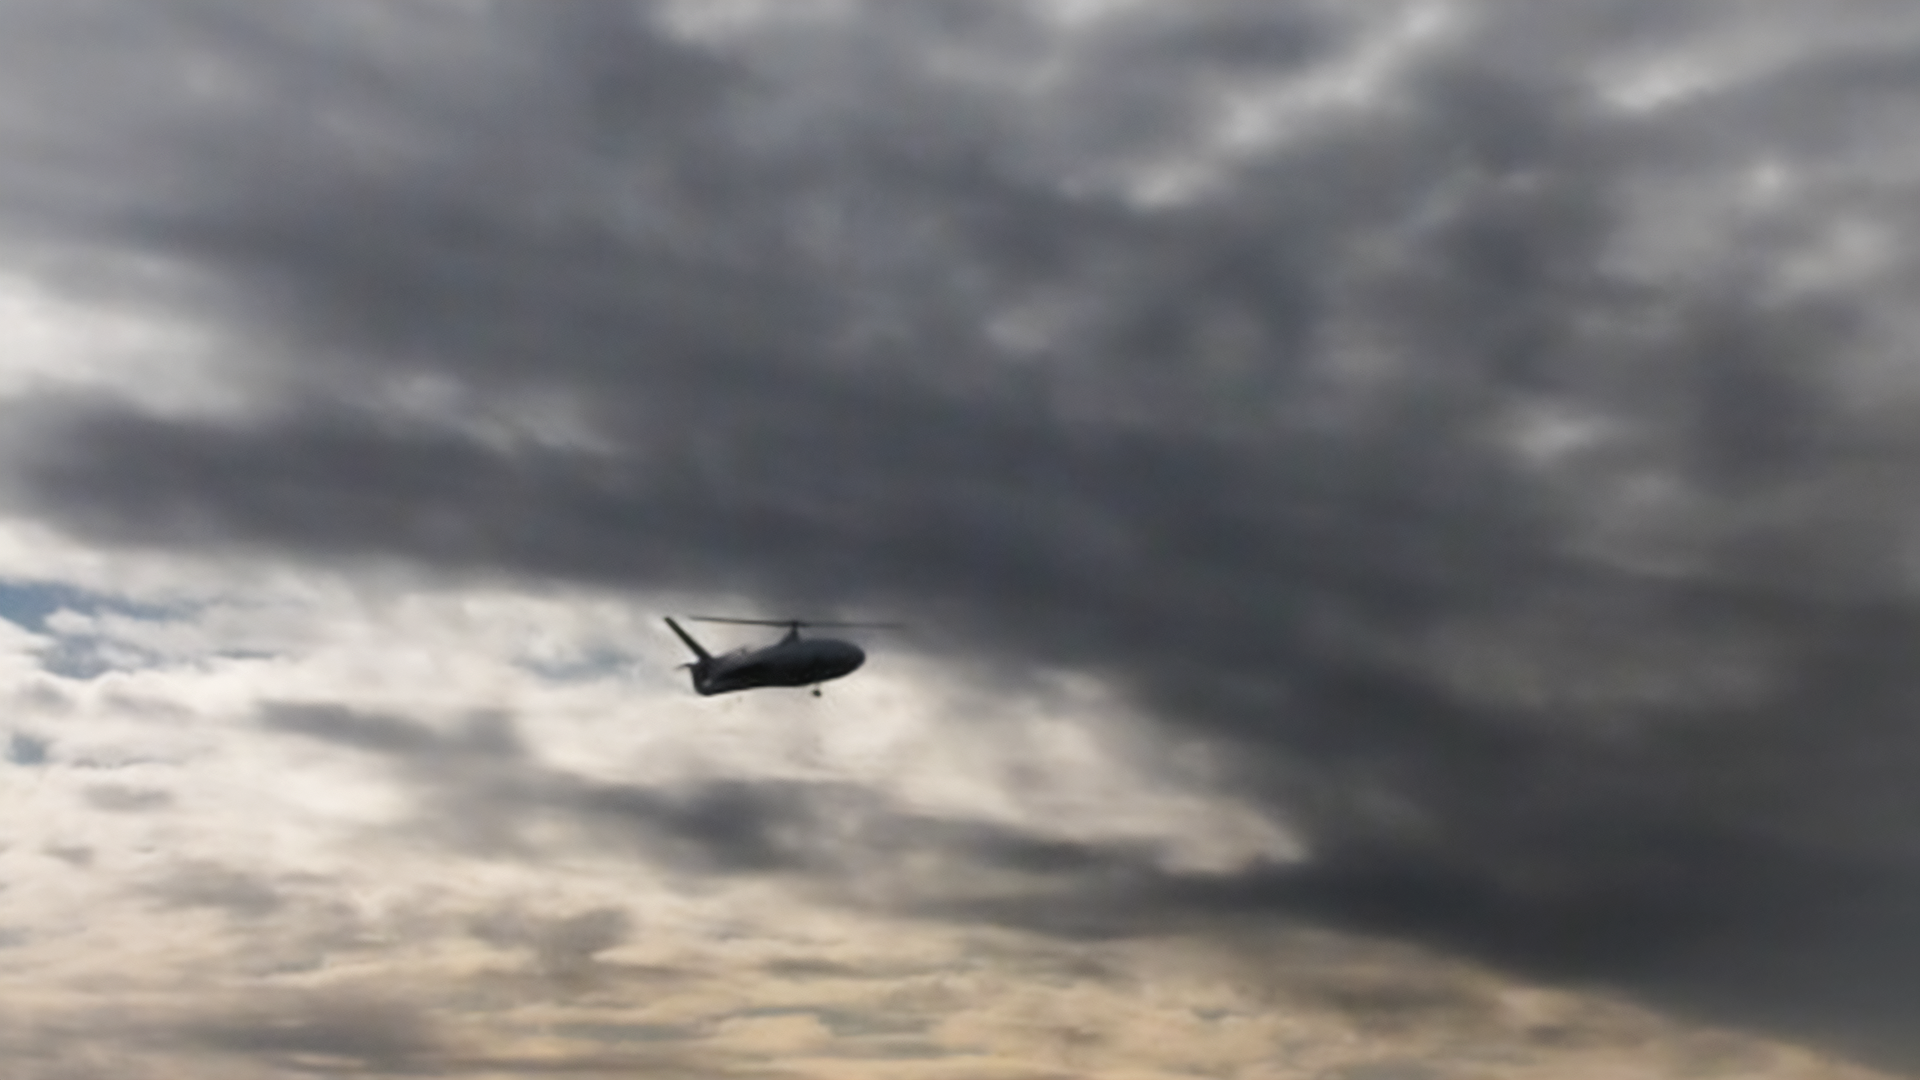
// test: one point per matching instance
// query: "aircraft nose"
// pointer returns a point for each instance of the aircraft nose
(852, 655)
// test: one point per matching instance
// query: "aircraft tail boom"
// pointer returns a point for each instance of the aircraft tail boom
(687, 639)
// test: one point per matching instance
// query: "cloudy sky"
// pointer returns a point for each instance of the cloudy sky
(1404, 513)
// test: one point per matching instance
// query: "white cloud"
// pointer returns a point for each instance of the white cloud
(50, 341)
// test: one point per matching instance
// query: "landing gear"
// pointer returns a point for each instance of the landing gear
(816, 691)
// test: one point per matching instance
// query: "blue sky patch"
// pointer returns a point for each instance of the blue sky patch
(24, 749)
(32, 604)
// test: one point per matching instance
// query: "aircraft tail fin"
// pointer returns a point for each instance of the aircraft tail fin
(687, 639)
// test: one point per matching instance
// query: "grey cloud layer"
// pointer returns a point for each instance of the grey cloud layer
(1628, 701)
(483, 789)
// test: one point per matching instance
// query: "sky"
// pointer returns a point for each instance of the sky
(1402, 516)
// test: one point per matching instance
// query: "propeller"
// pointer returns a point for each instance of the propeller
(796, 622)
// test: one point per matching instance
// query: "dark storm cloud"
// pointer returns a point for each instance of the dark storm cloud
(1559, 605)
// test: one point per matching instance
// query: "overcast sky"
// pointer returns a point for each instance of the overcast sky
(1404, 511)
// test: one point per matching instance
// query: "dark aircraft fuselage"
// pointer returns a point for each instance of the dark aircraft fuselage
(794, 662)
(791, 661)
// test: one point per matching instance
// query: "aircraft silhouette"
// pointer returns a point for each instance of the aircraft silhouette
(791, 661)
